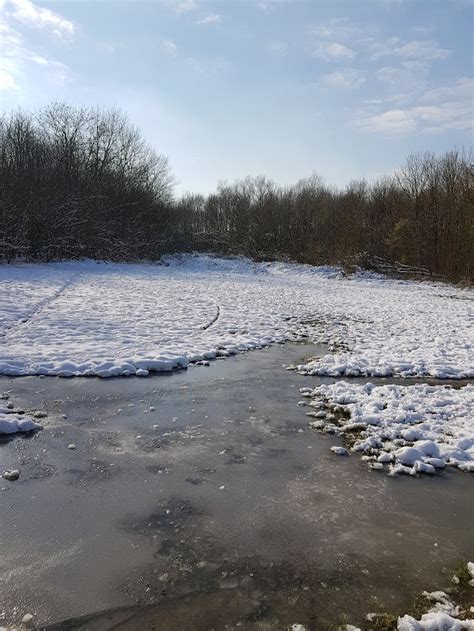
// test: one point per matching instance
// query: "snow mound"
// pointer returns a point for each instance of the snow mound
(414, 429)
(11, 423)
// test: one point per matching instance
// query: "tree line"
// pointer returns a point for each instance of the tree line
(78, 183)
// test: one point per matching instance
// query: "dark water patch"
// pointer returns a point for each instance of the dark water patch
(236, 459)
(169, 516)
(94, 471)
(195, 481)
(156, 468)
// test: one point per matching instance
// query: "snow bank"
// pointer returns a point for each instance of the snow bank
(412, 429)
(84, 318)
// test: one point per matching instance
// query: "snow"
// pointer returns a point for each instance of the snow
(470, 568)
(11, 423)
(442, 616)
(434, 622)
(85, 318)
(414, 429)
(340, 451)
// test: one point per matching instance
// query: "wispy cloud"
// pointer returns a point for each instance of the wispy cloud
(348, 78)
(277, 48)
(339, 28)
(180, 6)
(462, 88)
(106, 47)
(19, 63)
(422, 50)
(366, 41)
(212, 18)
(442, 109)
(333, 51)
(35, 16)
(408, 76)
(265, 7)
(168, 47)
(422, 30)
(7, 78)
(207, 67)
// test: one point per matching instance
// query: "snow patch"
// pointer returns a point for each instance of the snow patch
(414, 429)
(13, 423)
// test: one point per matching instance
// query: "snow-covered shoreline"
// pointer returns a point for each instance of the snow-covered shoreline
(406, 429)
(90, 319)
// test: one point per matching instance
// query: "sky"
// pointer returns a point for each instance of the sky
(343, 88)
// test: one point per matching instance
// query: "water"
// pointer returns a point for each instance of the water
(224, 513)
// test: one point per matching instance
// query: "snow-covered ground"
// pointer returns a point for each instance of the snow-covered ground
(409, 429)
(84, 318)
(111, 319)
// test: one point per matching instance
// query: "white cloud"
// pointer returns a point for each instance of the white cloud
(30, 14)
(348, 78)
(212, 18)
(389, 122)
(333, 51)
(168, 47)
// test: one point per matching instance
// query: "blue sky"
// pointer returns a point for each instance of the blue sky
(343, 88)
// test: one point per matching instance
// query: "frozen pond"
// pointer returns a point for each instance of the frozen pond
(201, 498)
